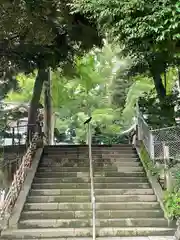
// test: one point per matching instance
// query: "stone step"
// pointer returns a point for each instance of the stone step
(130, 169)
(88, 186)
(126, 198)
(80, 223)
(102, 198)
(86, 169)
(105, 238)
(106, 154)
(87, 206)
(129, 162)
(100, 154)
(96, 180)
(55, 223)
(125, 172)
(77, 169)
(95, 156)
(123, 164)
(84, 192)
(111, 149)
(86, 164)
(153, 213)
(61, 180)
(85, 232)
(120, 180)
(57, 192)
(62, 199)
(82, 174)
(61, 174)
(86, 160)
(79, 163)
(95, 153)
(85, 147)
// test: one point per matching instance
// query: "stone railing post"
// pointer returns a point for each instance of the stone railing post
(168, 176)
(151, 146)
(177, 233)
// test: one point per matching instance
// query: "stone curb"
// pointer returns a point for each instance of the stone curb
(16, 213)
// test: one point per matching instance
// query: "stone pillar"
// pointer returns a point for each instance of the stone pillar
(177, 233)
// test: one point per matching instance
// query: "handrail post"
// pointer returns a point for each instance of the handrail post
(93, 200)
(92, 181)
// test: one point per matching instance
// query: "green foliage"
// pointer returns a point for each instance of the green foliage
(87, 94)
(3, 119)
(172, 199)
(87, 74)
(172, 204)
(159, 114)
(148, 32)
(148, 161)
(25, 85)
(139, 88)
(177, 180)
(76, 97)
(39, 34)
(109, 139)
(120, 81)
(138, 24)
(171, 78)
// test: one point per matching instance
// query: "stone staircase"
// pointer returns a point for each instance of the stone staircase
(59, 207)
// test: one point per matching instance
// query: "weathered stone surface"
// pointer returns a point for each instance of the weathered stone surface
(177, 233)
(59, 207)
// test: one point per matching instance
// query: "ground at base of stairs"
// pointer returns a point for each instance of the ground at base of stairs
(143, 238)
(109, 238)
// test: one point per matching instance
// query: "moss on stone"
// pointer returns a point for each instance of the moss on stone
(147, 160)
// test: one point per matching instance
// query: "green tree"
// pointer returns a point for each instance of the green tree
(91, 89)
(87, 92)
(25, 89)
(143, 89)
(141, 86)
(39, 35)
(149, 32)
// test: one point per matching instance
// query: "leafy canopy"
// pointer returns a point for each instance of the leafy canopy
(149, 32)
(37, 34)
(139, 24)
(88, 91)
(25, 89)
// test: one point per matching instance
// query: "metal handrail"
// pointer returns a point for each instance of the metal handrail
(93, 200)
(8, 200)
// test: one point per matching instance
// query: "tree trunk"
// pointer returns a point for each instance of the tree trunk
(178, 70)
(38, 85)
(157, 66)
(165, 80)
(53, 127)
(160, 88)
(48, 128)
(166, 105)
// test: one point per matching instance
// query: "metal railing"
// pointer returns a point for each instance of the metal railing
(8, 200)
(145, 134)
(93, 200)
(162, 145)
(156, 140)
(17, 135)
